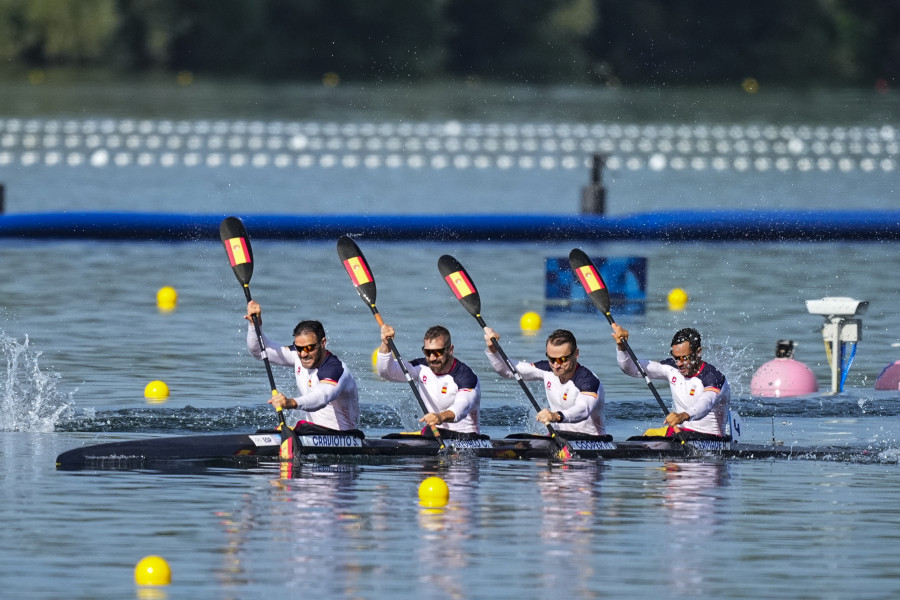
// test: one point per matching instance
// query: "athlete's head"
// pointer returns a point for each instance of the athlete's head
(309, 343)
(438, 349)
(686, 350)
(562, 352)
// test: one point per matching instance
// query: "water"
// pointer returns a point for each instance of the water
(82, 336)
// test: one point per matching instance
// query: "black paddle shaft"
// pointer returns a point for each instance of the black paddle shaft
(459, 281)
(597, 291)
(240, 254)
(361, 276)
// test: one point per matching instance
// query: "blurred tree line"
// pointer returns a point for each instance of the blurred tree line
(525, 41)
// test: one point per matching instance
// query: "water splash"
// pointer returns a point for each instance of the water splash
(30, 400)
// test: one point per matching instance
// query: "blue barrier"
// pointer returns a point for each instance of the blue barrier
(712, 225)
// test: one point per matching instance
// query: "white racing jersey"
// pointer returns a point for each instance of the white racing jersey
(704, 396)
(457, 390)
(580, 400)
(328, 393)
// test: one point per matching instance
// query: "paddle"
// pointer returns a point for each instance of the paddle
(598, 293)
(459, 281)
(240, 254)
(361, 276)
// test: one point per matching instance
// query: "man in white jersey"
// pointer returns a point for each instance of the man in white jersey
(699, 390)
(328, 391)
(449, 388)
(575, 394)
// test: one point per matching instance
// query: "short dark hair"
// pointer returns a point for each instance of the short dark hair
(310, 327)
(562, 336)
(438, 331)
(689, 335)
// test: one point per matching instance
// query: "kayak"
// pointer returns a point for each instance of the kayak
(263, 446)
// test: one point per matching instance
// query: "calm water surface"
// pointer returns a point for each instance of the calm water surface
(82, 336)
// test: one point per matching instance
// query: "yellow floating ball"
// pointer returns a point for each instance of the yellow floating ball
(166, 298)
(433, 492)
(530, 321)
(678, 299)
(152, 570)
(156, 390)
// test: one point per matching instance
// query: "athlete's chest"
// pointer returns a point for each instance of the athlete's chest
(563, 394)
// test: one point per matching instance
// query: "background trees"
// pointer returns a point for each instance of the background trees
(528, 41)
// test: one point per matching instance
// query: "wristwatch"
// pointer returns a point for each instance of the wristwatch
(560, 415)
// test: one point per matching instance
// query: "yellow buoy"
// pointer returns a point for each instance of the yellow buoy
(678, 299)
(530, 322)
(156, 390)
(152, 570)
(166, 298)
(433, 492)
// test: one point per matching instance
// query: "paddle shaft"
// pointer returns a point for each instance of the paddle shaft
(640, 369)
(409, 379)
(518, 377)
(262, 347)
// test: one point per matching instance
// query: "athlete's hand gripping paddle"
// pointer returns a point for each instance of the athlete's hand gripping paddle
(362, 279)
(459, 281)
(240, 254)
(599, 294)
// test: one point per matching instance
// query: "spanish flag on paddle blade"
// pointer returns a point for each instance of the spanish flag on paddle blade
(460, 284)
(237, 250)
(590, 279)
(357, 270)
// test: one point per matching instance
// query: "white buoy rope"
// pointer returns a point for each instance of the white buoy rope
(102, 143)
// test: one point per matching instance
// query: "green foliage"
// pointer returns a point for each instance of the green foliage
(530, 41)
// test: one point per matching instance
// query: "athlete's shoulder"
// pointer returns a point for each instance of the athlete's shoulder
(712, 377)
(543, 365)
(463, 375)
(585, 380)
(332, 368)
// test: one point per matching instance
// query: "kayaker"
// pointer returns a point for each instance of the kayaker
(699, 390)
(328, 391)
(574, 393)
(449, 388)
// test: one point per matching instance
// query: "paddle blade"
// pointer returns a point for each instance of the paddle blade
(590, 279)
(237, 245)
(357, 269)
(459, 281)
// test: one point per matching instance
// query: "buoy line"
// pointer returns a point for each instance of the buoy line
(449, 145)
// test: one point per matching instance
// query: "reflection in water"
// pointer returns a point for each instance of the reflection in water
(569, 494)
(694, 510)
(441, 550)
(318, 517)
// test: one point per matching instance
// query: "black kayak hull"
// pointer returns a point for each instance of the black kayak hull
(264, 447)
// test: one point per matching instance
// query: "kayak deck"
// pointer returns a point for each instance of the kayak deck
(263, 446)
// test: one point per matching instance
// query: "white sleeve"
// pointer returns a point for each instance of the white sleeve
(464, 402)
(525, 369)
(318, 396)
(278, 355)
(582, 408)
(654, 369)
(388, 367)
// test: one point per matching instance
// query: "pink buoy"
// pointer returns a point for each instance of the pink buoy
(783, 376)
(889, 378)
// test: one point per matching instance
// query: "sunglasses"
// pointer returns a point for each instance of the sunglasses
(438, 352)
(307, 348)
(685, 358)
(559, 360)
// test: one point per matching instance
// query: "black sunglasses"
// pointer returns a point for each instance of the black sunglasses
(307, 348)
(438, 352)
(685, 358)
(560, 360)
